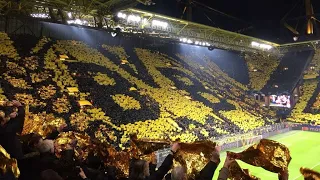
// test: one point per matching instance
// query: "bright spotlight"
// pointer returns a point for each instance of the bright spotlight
(197, 42)
(254, 43)
(121, 15)
(70, 21)
(78, 21)
(210, 48)
(295, 38)
(113, 34)
(39, 15)
(134, 18)
(184, 40)
(69, 15)
(265, 46)
(189, 41)
(159, 23)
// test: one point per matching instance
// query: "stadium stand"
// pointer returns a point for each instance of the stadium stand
(108, 91)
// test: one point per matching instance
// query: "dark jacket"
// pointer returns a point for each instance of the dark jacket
(205, 174)
(224, 174)
(8, 135)
(162, 170)
(208, 171)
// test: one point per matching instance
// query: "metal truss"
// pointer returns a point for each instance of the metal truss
(178, 28)
(314, 44)
(85, 7)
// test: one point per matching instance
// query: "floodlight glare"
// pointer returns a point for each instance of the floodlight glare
(134, 18)
(121, 15)
(113, 34)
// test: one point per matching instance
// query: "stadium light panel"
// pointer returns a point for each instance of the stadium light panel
(78, 21)
(70, 21)
(262, 46)
(69, 15)
(265, 46)
(189, 41)
(134, 18)
(40, 15)
(121, 15)
(159, 23)
(255, 44)
(184, 39)
(197, 42)
(113, 34)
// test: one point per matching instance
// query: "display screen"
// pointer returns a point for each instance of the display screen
(280, 101)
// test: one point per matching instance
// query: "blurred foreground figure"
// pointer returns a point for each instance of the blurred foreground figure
(179, 173)
(8, 166)
(12, 116)
(310, 174)
(50, 174)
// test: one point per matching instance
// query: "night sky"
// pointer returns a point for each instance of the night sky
(258, 18)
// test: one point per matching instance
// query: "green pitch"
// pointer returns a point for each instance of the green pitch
(305, 152)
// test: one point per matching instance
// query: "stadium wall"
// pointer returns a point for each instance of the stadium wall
(254, 139)
(279, 130)
(306, 127)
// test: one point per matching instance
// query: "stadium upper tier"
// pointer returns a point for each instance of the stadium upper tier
(308, 108)
(154, 93)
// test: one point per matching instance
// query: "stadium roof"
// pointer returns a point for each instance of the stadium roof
(178, 29)
(261, 19)
(175, 28)
(86, 7)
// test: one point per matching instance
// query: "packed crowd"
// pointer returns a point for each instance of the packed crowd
(32, 156)
(260, 67)
(148, 93)
(307, 108)
(43, 158)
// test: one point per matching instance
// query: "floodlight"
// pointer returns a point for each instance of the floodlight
(113, 34)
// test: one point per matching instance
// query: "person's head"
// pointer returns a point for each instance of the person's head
(50, 174)
(46, 146)
(139, 170)
(179, 173)
(7, 113)
(35, 140)
(93, 161)
(2, 116)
